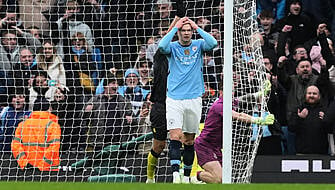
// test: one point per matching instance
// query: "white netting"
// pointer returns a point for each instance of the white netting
(249, 77)
(58, 53)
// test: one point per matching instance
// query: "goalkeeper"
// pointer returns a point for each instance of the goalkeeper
(208, 144)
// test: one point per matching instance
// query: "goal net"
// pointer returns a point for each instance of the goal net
(72, 56)
(249, 79)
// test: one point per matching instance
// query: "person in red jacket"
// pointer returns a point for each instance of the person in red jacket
(37, 141)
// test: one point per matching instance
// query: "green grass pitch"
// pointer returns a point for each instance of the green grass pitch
(158, 186)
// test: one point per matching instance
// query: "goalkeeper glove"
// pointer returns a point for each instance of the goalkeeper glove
(267, 88)
(180, 8)
(268, 120)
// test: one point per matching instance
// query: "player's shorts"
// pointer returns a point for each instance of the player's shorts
(207, 153)
(184, 114)
(158, 121)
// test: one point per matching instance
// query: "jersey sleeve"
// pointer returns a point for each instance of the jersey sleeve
(164, 43)
(209, 42)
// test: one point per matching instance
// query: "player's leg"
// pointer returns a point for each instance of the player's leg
(209, 158)
(188, 156)
(212, 172)
(158, 126)
(174, 118)
(156, 150)
(192, 116)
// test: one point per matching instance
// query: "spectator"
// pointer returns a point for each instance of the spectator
(9, 55)
(318, 11)
(69, 25)
(276, 7)
(44, 127)
(60, 107)
(298, 27)
(79, 70)
(322, 29)
(49, 61)
(108, 117)
(35, 31)
(144, 69)
(11, 116)
(39, 92)
(133, 92)
(210, 72)
(267, 29)
(79, 79)
(94, 16)
(25, 70)
(218, 19)
(11, 19)
(202, 22)
(36, 13)
(152, 48)
(291, 61)
(162, 17)
(298, 83)
(277, 106)
(307, 123)
(10, 45)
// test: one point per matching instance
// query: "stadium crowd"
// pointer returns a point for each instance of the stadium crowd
(90, 62)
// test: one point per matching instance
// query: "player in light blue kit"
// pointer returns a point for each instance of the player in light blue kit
(185, 87)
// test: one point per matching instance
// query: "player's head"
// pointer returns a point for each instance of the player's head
(185, 34)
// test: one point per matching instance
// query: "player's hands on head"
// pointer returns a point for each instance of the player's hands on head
(181, 22)
(193, 24)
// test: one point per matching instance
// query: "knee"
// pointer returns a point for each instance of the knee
(158, 146)
(176, 135)
(189, 139)
(189, 142)
(217, 178)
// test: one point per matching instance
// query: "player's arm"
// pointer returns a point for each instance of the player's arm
(164, 43)
(268, 120)
(210, 42)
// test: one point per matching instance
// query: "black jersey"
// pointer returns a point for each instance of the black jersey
(158, 93)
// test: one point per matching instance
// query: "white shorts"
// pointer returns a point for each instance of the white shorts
(184, 114)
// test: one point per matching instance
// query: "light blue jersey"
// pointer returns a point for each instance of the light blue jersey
(185, 79)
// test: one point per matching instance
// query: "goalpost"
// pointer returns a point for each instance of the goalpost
(242, 51)
(62, 53)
